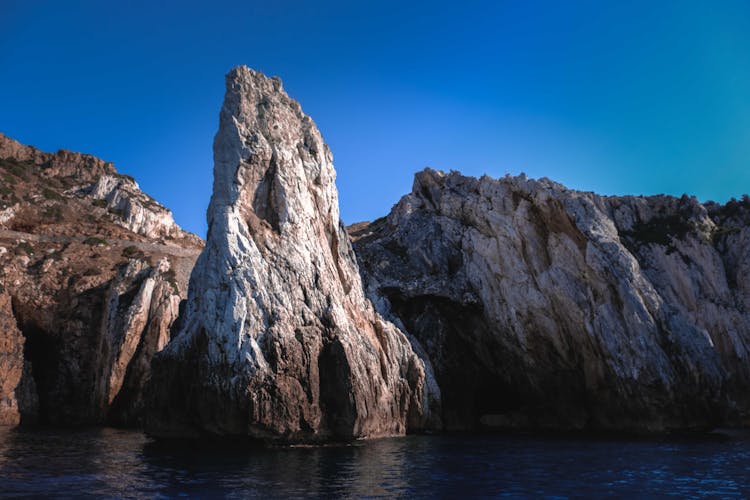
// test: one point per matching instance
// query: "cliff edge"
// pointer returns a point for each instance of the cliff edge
(545, 307)
(92, 273)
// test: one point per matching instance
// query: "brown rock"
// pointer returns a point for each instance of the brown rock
(17, 391)
(84, 309)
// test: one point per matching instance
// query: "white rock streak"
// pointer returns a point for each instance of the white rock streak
(279, 340)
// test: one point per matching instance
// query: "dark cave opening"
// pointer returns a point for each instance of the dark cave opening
(452, 333)
(336, 404)
(40, 352)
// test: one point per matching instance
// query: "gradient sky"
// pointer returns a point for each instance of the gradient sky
(637, 97)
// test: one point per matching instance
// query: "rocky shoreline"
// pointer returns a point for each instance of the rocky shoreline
(476, 304)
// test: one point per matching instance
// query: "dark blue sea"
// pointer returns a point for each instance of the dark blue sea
(116, 463)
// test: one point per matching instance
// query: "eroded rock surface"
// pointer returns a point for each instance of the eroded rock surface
(38, 189)
(543, 307)
(91, 280)
(17, 390)
(278, 340)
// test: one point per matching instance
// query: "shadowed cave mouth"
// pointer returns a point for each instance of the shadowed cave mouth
(335, 389)
(40, 351)
(473, 396)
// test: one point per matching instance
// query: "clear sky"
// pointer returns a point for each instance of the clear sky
(638, 97)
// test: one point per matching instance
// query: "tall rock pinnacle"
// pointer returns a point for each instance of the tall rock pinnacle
(278, 340)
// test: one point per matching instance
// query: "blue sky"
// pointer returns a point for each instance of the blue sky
(636, 97)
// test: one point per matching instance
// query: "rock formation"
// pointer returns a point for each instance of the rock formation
(498, 303)
(33, 175)
(278, 340)
(92, 272)
(17, 389)
(543, 307)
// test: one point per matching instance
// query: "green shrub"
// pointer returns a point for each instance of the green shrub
(99, 203)
(171, 277)
(117, 212)
(54, 213)
(50, 194)
(25, 247)
(14, 167)
(721, 232)
(91, 271)
(124, 176)
(129, 251)
(659, 230)
(93, 240)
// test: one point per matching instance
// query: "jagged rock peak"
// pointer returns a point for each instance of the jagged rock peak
(262, 129)
(279, 341)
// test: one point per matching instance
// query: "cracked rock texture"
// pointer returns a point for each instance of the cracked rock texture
(278, 340)
(37, 185)
(88, 293)
(17, 390)
(543, 307)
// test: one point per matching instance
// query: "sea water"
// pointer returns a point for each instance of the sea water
(120, 463)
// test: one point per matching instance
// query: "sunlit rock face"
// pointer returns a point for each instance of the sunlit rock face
(92, 273)
(138, 211)
(278, 340)
(140, 307)
(68, 176)
(543, 307)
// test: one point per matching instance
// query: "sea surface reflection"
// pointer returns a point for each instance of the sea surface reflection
(118, 463)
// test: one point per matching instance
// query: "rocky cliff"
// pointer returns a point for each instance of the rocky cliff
(278, 340)
(92, 271)
(487, 303)
(543, 307)
(33, 181)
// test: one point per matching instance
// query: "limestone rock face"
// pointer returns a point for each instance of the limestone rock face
(86, 296)
(50, 180)
(278, 340)
(543, 307)
(85, 339)
(87, 345)
(131, 332)
(138, 212)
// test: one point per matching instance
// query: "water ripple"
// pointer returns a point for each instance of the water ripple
(117, 463)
